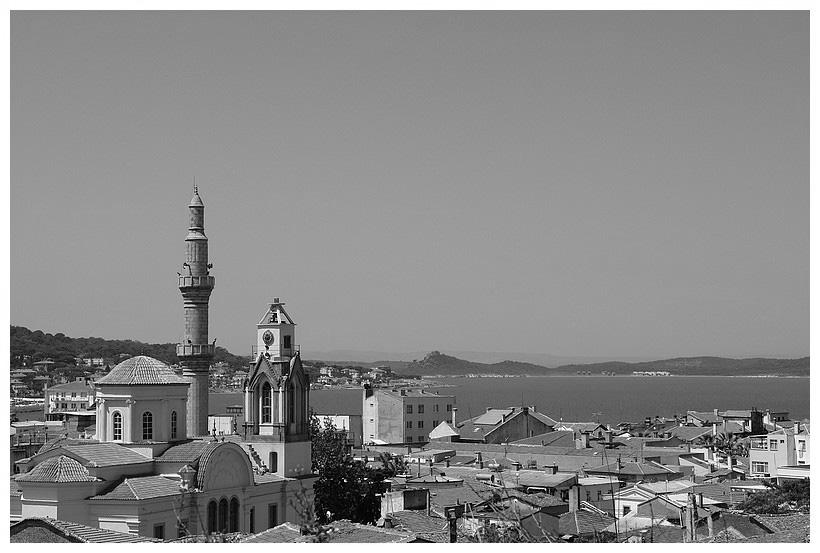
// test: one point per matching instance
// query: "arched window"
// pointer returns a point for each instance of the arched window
(234, 522)
(173, 425)
(212, 517)
(266, 400)
(273, 464)
(147, 426)
(116, 425)
(223, 515)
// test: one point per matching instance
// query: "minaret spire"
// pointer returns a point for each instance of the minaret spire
(195, 353)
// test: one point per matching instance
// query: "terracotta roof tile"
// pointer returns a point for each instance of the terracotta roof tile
(105, 454)
(79, 532)
(142, 487)
(142, 370)
(60, 469)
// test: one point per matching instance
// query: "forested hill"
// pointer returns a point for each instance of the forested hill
(435, 363)
(62, 349)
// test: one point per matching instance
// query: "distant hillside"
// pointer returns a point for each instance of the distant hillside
(63, 349)
(436, 363)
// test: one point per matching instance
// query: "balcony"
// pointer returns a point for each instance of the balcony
(276, 352)
(191, 281)
(195, 350)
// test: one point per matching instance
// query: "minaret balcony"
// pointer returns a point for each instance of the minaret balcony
(195, 350)
(192, 281)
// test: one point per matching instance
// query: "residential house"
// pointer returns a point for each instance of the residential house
(398, 416)
(69, 398)
(782, 454)
(504, 425)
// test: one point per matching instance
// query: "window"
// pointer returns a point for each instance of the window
(273, 318)
(449, 407)
(116, 425)
(266, 397)
(234, 515)
(627, 508)
(599, 495)
(760, 467)
(273, 515)
(182, 528)
(292, 403)
(147, 426)
(409, 409)
(421, 409)
(286, 342)
(223, 515)
(409, 424)
(173, 425)
(212, 517)
(421, 438)
(159, 531)
(73, 394)
(73, 405)
(772, 445)
(421, 424)
(273, 461)
(435, 423)
(435, 408)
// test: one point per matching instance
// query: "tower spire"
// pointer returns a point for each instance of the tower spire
(195, 353)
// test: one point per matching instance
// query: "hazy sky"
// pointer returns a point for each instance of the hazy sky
(595, 184)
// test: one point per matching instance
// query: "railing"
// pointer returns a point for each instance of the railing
(29, 439)
(195, 350)
(274, 351)
(191, 281)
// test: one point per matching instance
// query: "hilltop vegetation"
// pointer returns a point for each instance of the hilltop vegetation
(62, 349)
(436, 363)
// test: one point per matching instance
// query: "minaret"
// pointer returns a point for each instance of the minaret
(195, 353)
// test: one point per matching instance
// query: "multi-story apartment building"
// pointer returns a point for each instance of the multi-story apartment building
(781, 454)
(402, 416)
(71, 397)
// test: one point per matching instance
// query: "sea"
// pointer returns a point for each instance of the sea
(608, 399)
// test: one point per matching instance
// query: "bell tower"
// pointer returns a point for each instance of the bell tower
(194, 352)
(277, 397)
(275, 334)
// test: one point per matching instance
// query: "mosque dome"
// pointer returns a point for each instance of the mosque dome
(142, 370)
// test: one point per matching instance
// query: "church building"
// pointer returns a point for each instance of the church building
(152, 470)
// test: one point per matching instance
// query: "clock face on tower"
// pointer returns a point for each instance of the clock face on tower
(267, 337)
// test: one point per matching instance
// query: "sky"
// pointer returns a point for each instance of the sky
(594, 184)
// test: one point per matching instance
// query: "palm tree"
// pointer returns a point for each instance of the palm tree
(729, 444)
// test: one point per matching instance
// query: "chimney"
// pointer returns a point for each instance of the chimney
(516, 465)
(479, 460)
(454, 416)
(447, 462)
(574, 499)
(714, 429)
(797, 427)
(716, 412)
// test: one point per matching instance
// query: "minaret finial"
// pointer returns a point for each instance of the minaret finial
(196, 190)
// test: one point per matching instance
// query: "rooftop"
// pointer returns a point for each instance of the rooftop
(60, 469)
(142, 370)
(71, 531)
(142, 487)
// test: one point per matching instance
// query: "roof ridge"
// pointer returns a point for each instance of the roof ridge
(130, 487)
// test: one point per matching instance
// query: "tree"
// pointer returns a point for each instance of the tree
(789, 496)
(345, 489)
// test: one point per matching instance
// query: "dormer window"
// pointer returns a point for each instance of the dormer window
(273, 318)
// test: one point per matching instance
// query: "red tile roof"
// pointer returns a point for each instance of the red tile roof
(142, 487)
(60, 469)
(142, 370)
(74, 532)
